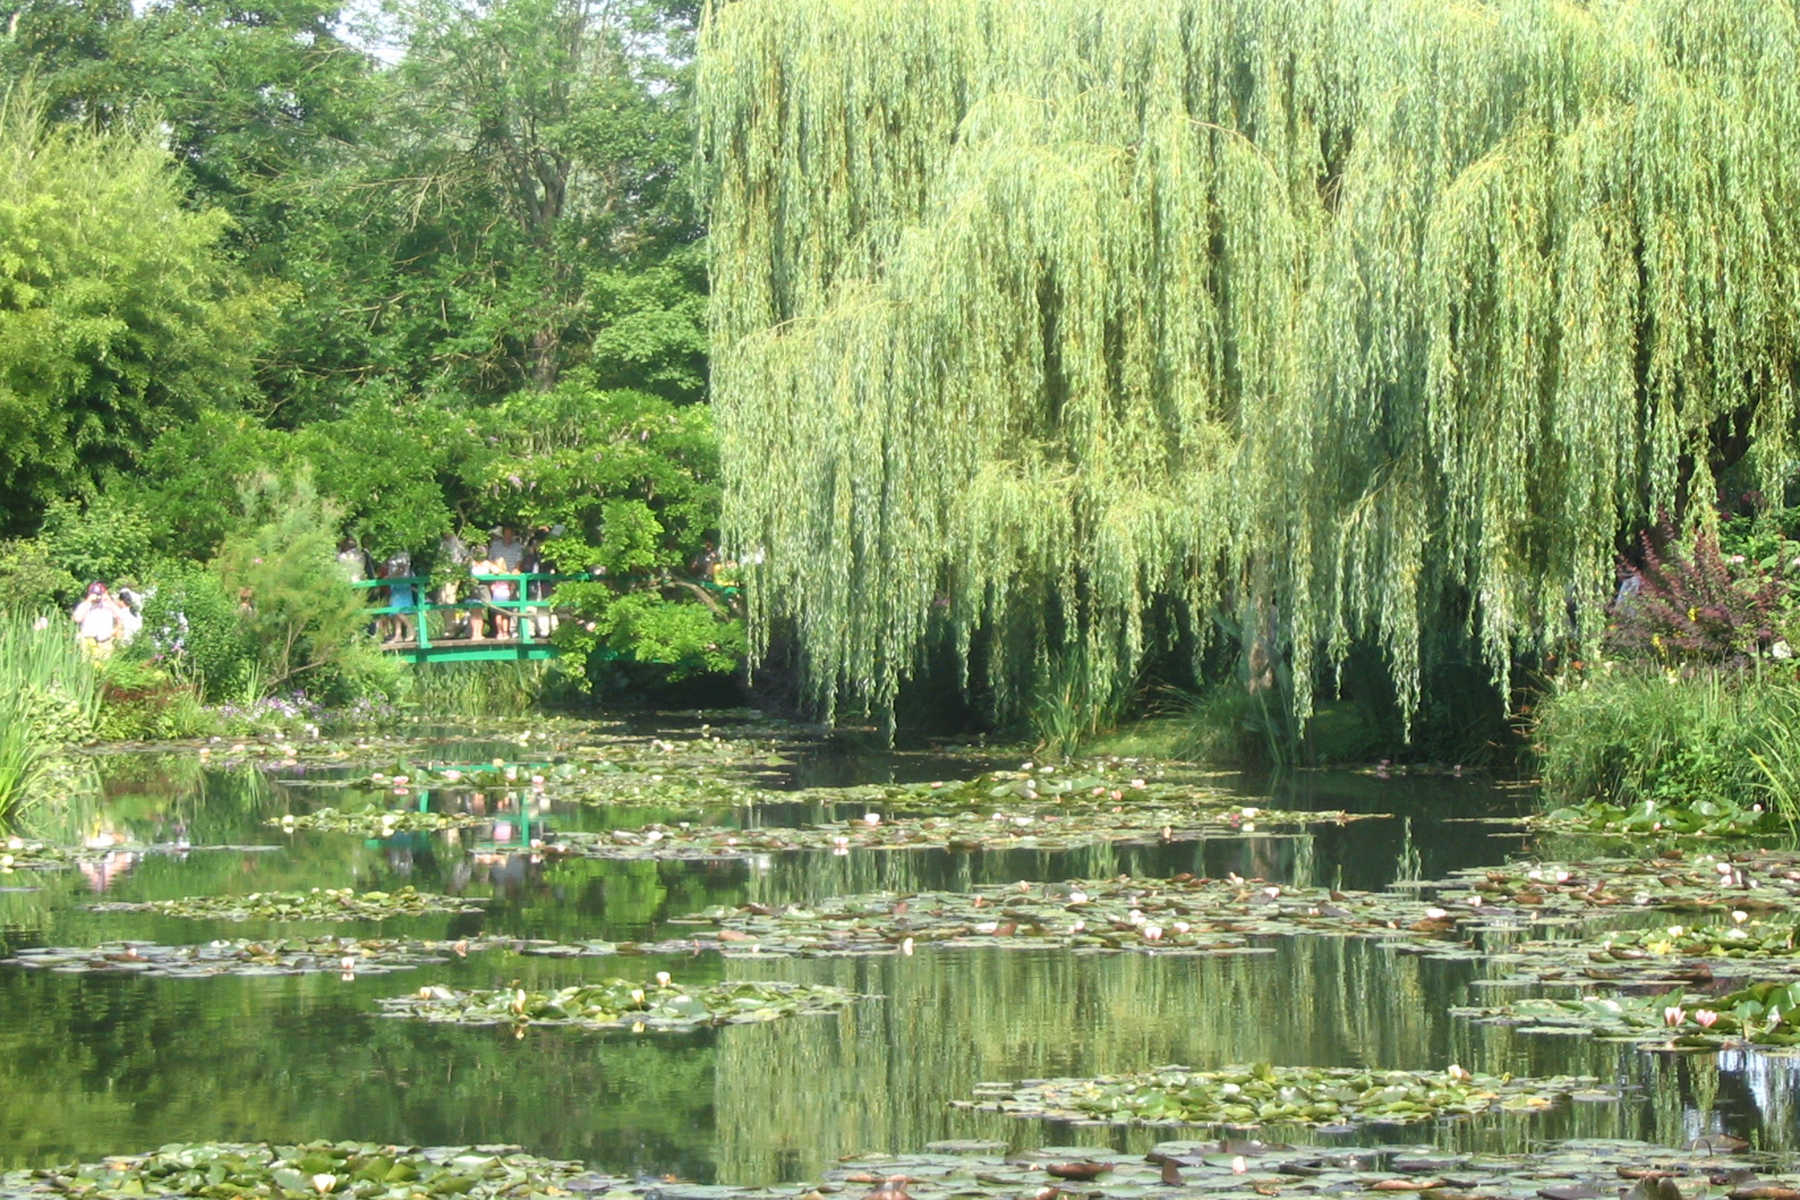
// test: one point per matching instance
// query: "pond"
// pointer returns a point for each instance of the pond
(106, 1052)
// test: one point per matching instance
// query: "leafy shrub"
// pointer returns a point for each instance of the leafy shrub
(30, 580)
(192, 627)
(1691, 608)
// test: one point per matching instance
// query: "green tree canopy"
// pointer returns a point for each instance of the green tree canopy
(119, 316)
(1358, 319)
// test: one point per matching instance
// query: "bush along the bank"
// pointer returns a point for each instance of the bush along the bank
(1689, 723)
(49, 698)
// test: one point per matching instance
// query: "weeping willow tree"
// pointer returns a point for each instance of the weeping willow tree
(1054, 329)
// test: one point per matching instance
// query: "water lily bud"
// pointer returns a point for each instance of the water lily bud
(637, 995)
(1436, 914)
(906, 947)
(871, 819)
(287, 821)
(1078, 897)
(1239, 1165)
(1153, 933)
(1456, 1072)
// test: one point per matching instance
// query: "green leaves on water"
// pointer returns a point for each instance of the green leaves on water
(243, 956)
(1266, 1095)
(660, 1004)
(319, 904)
(314, 1169)
(1761, 1014)
(1700, 819)
(373, 821)
(997, 829)
(1746, 880)
(1231, 1169)
(1184, 914)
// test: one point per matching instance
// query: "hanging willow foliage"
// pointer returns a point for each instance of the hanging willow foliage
(1030, 320)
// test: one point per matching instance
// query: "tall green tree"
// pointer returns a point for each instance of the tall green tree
(1368, 322)
(120, 315)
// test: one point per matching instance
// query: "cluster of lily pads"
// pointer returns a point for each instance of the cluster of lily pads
(659, 1004)
(998, 830)
(1269, 1095)
(1694, 819)
(318, 904)
(1226, 1169)
(1759, 880)
(1762, 1014)
(1182, 914)
(314, 1169)
(373, 821)
(23, 854)
(244, 956)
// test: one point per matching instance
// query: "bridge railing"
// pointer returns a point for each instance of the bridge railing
(523, 608)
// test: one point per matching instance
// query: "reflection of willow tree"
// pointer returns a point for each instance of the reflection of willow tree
(1048, 329)
(792, 1096)
(208, 1061)
(811, 877)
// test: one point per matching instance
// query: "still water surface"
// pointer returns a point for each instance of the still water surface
(91, 1065)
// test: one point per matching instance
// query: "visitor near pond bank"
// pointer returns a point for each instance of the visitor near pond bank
(99, 620)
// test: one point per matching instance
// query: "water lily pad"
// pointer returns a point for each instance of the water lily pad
(1762, 1014)
(314, 1169)
(1266, 1095)
(1016, 828)
(319, 904)
(660, 1004)
(1184, 914)
(243, 956)
(374, 821)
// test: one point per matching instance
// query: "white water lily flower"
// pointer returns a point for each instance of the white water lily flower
(637, 995)
(1153, 933)
(662, 978)
(906, 947)
(1456, 1072)
(1674, 1015)
(1739, 916)
(1435, 913)
(1249, 810)
(323, 1183)
(871, 819)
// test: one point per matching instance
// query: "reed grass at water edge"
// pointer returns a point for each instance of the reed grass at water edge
(49, 699)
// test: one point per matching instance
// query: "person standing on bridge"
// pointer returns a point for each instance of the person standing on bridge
(504, 552)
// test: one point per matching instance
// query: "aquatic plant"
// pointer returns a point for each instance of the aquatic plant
(245, 956)
(49, 700)
(1271, 1095)
(658, 1004)
(319, 904)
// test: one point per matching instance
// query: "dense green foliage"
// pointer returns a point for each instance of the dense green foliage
(114, 302)
(1050, 331)
(454, 285)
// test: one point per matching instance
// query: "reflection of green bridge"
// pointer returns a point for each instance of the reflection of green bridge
(436, 627)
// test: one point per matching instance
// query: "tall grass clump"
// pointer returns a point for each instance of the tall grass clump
(1705, 740)
(477, 689)
(49, 699)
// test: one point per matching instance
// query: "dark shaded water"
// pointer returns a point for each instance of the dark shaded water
(91, 1065)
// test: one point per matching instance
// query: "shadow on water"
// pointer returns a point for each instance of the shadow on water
(91, 1064)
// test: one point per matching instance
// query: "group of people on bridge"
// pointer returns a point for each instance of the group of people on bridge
(496, 573)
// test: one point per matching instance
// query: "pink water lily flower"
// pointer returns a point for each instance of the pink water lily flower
(1674, 1015)
(1705, 1017)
